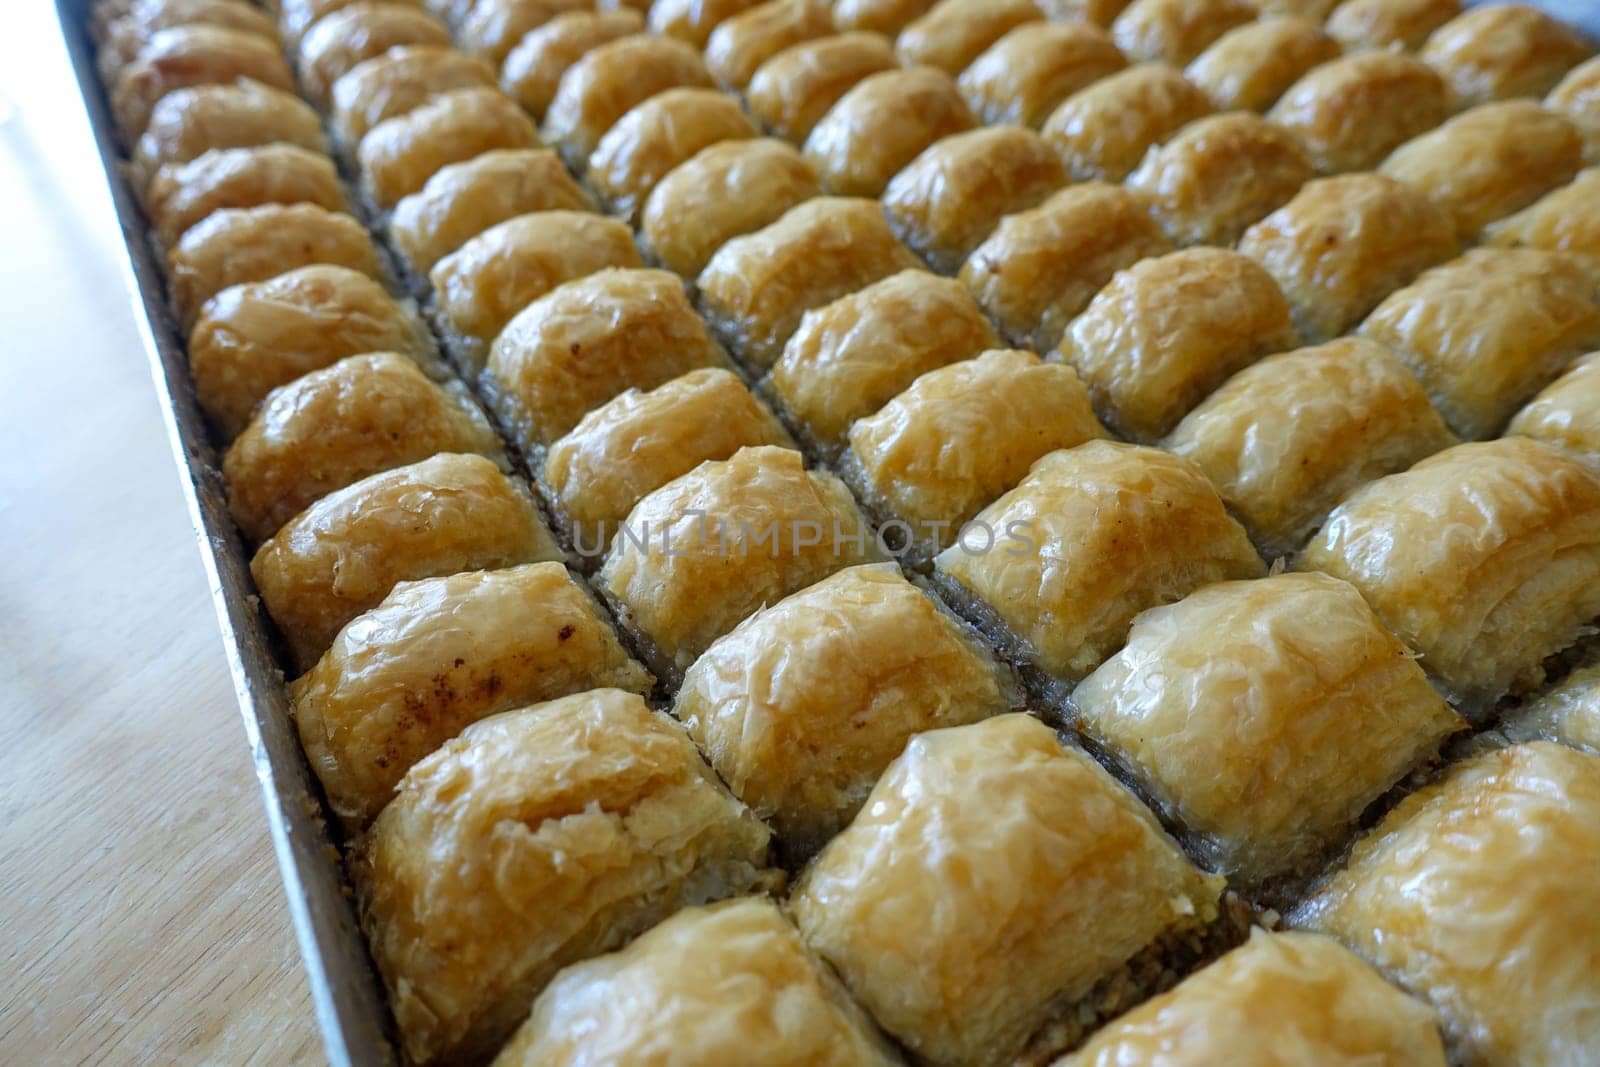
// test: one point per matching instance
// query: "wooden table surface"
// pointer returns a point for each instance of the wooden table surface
(141, 915)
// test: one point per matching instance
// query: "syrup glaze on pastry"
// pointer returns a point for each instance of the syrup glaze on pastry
(1023, 76)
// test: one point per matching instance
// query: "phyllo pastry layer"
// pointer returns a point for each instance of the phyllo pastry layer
(991, 880)
(1264, 717)
(1485, 558)
(725, 983)
(1090, 538)
(802, 706)
(341, 556)
(1478, 893)
(1288, 998)
(704, 552)
(536, 839)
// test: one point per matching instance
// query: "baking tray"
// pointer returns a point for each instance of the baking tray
(351, 1010)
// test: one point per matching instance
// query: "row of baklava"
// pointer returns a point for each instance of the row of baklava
(789, 795)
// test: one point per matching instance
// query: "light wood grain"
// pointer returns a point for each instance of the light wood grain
(141, 915)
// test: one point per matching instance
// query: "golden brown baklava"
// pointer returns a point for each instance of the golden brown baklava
(1478, 894)
(1402, 25)
(1025, 74)
(738, 47)
(1501, 51)
(650, 141)
(725, 191)
(1283, 998)
(991, 880)
(1251, 66)
(533, 70)
(852, 356)
(1567, 411)
(1263, 717)
(725, 983)
(795, 88)
(539, 838)
(1103, 130)
(954, 32)
(1285, 439)
(1058, 567)
(756, 288)
(881, 124)
(1484, 558)
(1352, 112)
(707, 550)
(802, 706)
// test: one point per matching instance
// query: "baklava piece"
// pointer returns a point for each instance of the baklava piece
(588, 340)
(805, 703)
(187, 56)
(330, 428)
(694, 21)
(881, 124)
(953, 195)
(955, 32)
(235, 246)
(255, 337)
(1567, 412)
(1102, 131)
(738, 47)
(1251, 66)
(1352, 112)
(492, 28)
(1283, 998)
(453, 512)
(1090, 538)
(650, 141)
(1500, 51)
(536, 839)
(532, 71)
(992, 880)
(1568, 713)
(296, 17)
(437, 655)
(1488, 330)
(631, 446)
(1314, 10)
(1567, 220)
(345, 39)
(465, 199)
(725, 191)
(399, 155)
(611, 80)
(794, 89)
(400, 81)
(1025, 74)
(1167, 331)
(1485, 558)
(1399, 25)
(124, 35)
(726, 983)
(852, 356)
(1219, 175)
(1578, 98)
(187, 123)
(1478, 894)
(1489, 162)
(1285, 439)
(938, 453)
(879, 16)
(181, 194)
(704, 552)
(1343, 244)
(757, 287)
(1263, 718)
(1094, 12)
(1040, 268)
(1176, 31)
(480, 288)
